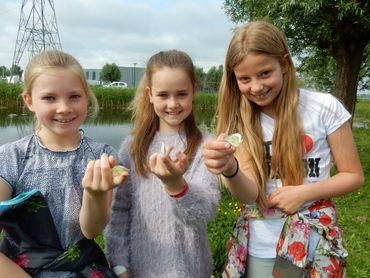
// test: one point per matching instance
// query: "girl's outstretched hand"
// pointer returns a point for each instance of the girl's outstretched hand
(288, 198)
(98, 183)
(169, 171)
(219, 155)
(99, 177)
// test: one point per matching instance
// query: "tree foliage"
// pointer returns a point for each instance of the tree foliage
(329, 38)
(4, 71)
(209, 81)
(200, 76)
(110, 72)
(214, 76)
(16, 70)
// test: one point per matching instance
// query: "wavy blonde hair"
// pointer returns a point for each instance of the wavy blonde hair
(146, 121)
(237, 114)
(51, 59)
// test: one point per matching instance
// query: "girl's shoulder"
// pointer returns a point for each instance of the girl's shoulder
(322, 109)
(98, 148)
(307, 96)
(319, 101)
(18, 146)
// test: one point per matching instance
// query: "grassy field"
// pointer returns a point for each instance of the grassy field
(353, 209)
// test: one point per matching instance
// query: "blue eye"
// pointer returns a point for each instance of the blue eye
(48, 98)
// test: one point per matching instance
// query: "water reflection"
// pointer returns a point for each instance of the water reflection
(109, 127)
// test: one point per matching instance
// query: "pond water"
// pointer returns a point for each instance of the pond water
(109, 127)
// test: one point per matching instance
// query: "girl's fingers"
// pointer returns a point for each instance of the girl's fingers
(96, 176)
(119, 180)
(153, 160)
(88, 177)
(221, 137)
(169, 148)
(112, 161)
(106, 172)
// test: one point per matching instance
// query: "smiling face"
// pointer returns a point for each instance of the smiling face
(171, 94)
(260, 79)
(60, 104)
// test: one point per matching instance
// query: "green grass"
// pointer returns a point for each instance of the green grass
(353, 209)
(353, 214)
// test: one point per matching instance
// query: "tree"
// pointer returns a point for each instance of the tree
(214, 76)
(16, 70)
(110, 72)
(4, 71)
(317, 30)
(200, 75)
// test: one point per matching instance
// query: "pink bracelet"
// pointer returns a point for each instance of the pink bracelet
(183, 192)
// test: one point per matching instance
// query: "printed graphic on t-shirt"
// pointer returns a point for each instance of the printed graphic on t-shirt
(311, 164)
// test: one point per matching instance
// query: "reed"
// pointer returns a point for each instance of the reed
(109, 98)
(10, 95)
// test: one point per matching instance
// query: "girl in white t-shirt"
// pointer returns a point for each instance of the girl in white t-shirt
(281, 170)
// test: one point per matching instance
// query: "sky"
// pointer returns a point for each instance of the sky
(128, 32)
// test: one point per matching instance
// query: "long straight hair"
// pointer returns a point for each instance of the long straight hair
(237, 114)
(146, 121)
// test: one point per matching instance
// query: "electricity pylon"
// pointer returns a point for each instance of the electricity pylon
(38, 29)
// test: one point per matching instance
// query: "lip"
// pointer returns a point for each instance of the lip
(64, 121)
(260, 96)
(174, 113)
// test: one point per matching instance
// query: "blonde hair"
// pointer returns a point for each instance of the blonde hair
(51, 59)
(237, 114)
(147, 123)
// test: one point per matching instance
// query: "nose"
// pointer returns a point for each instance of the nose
(256, 86)
(172, 102)
(63, 107)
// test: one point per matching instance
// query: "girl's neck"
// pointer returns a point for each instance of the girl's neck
(58, 143)
(164, 129)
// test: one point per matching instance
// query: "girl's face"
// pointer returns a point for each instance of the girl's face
(260, 79)
(171, 94)
(59, 103)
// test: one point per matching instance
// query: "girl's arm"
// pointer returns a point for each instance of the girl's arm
(349, 175)
(219, 159)
(98, 183)
(117, 235)
(5, 193)
(10, 269)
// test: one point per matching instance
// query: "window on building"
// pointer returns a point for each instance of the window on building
(93, 75)
(87, 75)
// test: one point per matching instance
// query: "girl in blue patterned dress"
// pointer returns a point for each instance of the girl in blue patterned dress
(70, 173)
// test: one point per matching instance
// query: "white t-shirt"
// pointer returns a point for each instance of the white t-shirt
(321, 114)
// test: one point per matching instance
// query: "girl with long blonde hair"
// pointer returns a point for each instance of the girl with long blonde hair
(281, 170)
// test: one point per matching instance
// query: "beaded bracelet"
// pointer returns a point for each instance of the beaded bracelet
(183, 192)
(236, 171)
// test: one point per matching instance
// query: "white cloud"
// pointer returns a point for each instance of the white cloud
(127, 32)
